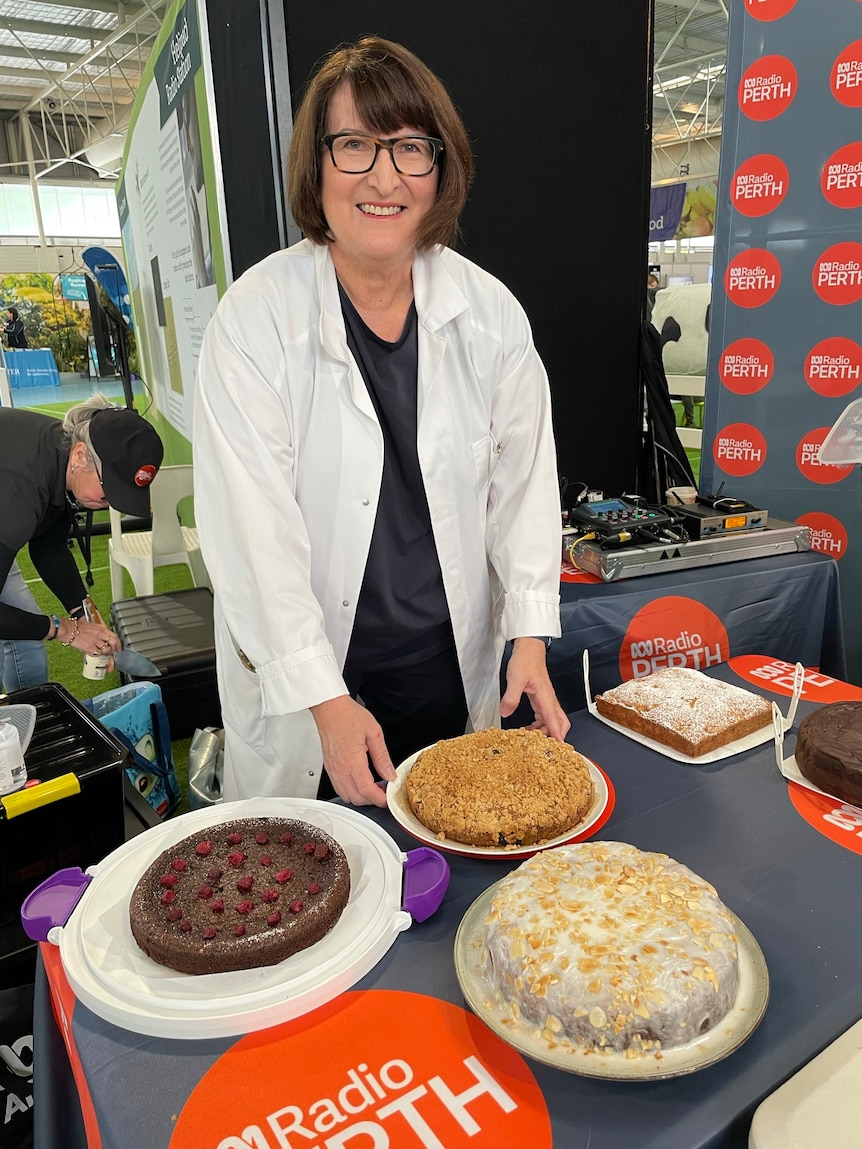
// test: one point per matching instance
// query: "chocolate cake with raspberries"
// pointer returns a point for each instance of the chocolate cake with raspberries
(242, 894)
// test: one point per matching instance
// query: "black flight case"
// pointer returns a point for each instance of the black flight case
(175, 631)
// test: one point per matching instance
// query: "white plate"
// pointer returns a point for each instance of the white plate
(114, 978)
(739, 1024)
(396, 797)
(749, 742)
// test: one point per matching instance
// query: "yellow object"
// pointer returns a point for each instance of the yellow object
(32, 797)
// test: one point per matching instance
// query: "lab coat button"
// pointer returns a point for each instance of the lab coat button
(345, 603)
(365, 502)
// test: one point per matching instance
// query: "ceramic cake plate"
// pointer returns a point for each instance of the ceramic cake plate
(723, 1039)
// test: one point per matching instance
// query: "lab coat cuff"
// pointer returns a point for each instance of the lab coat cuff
(531, 613)
(294, 684)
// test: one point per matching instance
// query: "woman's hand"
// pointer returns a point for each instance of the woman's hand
(348, 734)
(89, 637)
(527, 673)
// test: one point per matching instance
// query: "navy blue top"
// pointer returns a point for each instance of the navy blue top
(402, 617)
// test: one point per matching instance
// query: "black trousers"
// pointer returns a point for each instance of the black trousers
(415, 705)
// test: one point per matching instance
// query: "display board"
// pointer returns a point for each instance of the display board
(785, 357)
(172, 220)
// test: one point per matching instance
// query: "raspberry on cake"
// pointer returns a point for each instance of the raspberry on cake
(608, 948)
(499, 788)
(248, 893)
(685, 709)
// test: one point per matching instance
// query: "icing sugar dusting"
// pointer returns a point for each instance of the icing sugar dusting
(686, 701)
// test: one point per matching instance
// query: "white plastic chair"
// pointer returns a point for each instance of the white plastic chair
(140, 552)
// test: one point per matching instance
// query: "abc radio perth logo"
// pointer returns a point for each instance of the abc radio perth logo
(841, 180)
(828, 534)
(672, 631)
(833, 367)
(767, 88)
(808, 459)
(837, 274)
(752, 278)
(746, 366)
(739, 449)
(845, 78)
(759, 185)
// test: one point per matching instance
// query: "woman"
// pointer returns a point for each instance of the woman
(376, 489)
(14, 330)
(98, 456)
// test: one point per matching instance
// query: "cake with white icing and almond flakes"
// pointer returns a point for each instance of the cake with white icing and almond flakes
(685, 709)
(608, 948)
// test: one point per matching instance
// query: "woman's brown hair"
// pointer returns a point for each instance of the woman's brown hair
(391, 87)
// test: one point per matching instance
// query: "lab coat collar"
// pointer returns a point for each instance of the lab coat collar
(438, 297)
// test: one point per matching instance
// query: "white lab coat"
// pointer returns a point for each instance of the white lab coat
(288, 457)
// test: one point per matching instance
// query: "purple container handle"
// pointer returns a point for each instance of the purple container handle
(426, 878)
(51, 903)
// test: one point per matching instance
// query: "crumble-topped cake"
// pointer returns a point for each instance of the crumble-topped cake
(609, 948)
(500, 788)
(685, 709)
(246, 893)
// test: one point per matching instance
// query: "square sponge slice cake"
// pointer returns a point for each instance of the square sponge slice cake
(685, 709)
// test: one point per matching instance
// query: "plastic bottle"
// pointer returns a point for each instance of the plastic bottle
(13, 772)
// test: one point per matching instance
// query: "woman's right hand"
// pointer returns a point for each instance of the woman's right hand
(89, 638)
(348, 735)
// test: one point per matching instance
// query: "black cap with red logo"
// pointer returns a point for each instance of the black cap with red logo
(130, 453)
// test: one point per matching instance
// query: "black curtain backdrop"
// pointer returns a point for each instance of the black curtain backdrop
(556, 98)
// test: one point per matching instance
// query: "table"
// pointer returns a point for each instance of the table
(732, 822)
(787, 606)
(32, 368)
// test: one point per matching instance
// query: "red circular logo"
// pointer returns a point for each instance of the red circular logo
(837, 274)
(357, 1077)
(841, 179)
(739, 449)
(145, 475)
(836, 820)
(845, 78)
(672, 631)
(808, 459)
(752, 277)
(746, 366)
(768, 9)
(834, 367)
(759, 185)
(828, 534)
(767, 88)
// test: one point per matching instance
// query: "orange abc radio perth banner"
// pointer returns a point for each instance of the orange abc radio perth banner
(785, 355)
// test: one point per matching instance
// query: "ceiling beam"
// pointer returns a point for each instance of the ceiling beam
(108, 6)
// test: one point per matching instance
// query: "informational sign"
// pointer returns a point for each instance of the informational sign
(73, 287)
(172, 229)
(785, 355)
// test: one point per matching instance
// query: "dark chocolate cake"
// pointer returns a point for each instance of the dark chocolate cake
(829, 750)
(242, 894)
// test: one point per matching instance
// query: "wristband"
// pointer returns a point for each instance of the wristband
(56, 629)
(74, 622)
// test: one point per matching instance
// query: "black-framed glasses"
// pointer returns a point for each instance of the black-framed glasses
(355, 153)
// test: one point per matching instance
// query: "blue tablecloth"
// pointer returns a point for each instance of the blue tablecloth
(37, 368)
(786, 606)
(731, 821)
